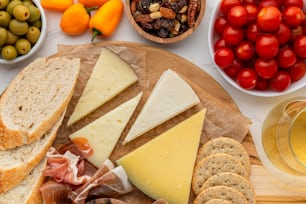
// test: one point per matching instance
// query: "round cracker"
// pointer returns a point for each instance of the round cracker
(220, 192)
(213, 164)
(218, 201)
(228, 146)
(233, 180)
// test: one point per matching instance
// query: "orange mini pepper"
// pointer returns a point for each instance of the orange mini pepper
(75, 19)
(56, 5)
(105, 21)
(92, 3)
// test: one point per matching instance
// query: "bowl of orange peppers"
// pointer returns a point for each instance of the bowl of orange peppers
(77, 18)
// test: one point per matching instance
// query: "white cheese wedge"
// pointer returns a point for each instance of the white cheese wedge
(163, 167)
(103, 133)
(110, 76)
(170, 97)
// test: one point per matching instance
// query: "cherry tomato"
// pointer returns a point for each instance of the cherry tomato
(297, 3)
(220, 23)
(233, 69)
(296, 32)
(267, 3)
(280, 81)
(226, 5)
(283, 34)
(262, 84)
(266, 68)
(238, 16)
(224, 56)
(286, 57)
(269, 19)
(252, 12)
(293, 16)
(297, 71)
(266, 46)
(245, 50)
(219, 43)
(299, 46)
(247, 78)
(233, 35)
(252, 32)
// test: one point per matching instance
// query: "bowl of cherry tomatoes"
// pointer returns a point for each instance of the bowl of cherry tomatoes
(259, 46)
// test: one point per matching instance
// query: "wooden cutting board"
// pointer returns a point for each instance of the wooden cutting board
(267, 188)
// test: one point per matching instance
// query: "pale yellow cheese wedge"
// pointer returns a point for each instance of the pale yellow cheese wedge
(170, 97)
(110, 76)
(163, 167)
(103, 133)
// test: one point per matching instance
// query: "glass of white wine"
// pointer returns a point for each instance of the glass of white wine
(291, 135)
(284, 136)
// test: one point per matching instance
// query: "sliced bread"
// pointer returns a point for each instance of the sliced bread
(16, 164)
(36, 99)
(27, 192)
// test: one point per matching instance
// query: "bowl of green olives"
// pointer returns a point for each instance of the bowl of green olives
(22, 29)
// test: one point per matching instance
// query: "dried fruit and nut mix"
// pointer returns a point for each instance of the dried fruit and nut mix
(165, 18)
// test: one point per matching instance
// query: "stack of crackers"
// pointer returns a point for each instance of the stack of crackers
(221, 174)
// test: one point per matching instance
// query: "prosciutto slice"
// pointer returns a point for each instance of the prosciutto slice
(53, 192)
(75, 180)
(106, 182)
(67, 168)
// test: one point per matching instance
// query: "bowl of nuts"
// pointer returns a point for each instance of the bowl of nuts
(22, 29)
(165, 21)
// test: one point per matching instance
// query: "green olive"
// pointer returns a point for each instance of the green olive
(4, 18)
(27, 3)
(10, 7)
(23, 46)
(18, 27)
(34, 13)
(3, 36)
(3, 4)
(33, 34)
(37, 24)
(9, 52)
(11, 38)
(21, 12)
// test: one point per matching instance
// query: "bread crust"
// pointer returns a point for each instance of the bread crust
(35, 196)
(10, 178)
(11, 138)
(25, 192)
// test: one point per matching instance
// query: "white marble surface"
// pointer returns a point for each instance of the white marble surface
(194, 48)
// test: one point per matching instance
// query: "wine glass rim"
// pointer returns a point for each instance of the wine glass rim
(300, 112)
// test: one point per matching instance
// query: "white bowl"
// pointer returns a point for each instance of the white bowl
(38, 44)
(266, 93)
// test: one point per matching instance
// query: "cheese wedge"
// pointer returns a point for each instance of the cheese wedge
(103, 133)
(163, 167)
(170, 97)
(110, 76)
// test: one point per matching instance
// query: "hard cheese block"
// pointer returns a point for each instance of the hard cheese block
(163, 167)
(110, 76)
(103, 133)
(170, 97)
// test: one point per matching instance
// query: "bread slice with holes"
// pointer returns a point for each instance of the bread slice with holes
(17, 163)
(27, 192)
(36, 99)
